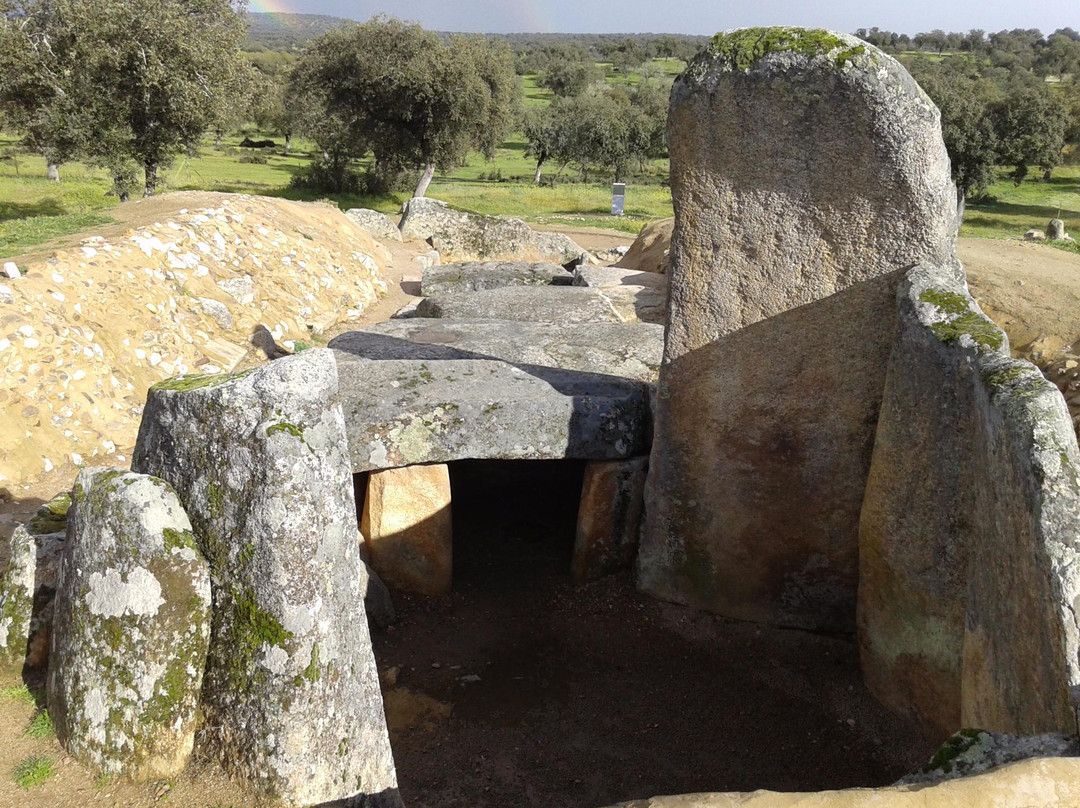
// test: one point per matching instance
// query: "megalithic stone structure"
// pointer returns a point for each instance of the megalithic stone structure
(807, 170)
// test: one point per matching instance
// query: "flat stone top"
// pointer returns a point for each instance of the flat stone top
(545, 304)
(629, 350)
(475, 276)
(402, 412)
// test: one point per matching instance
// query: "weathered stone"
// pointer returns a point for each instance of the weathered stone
(17, 600)
(650, 251)
(377, 601)
(632, 350)
(607, 277)
(131, 628)
(377, 224)
(260, 462)
(1034, 235)
(242, 290)
(475, 276)
(609, 517)
(973, 751)
(408, 527)
(544, 304)
(218, 312)
(1045, 782)
(969, 558)
(462, 236)
(1055, 230)
(408, 412)
(781, 302)
(638, 304)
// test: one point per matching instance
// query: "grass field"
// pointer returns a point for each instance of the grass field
(33, 210)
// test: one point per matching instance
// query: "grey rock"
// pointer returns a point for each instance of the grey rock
(544, 304)
(17, 599)
(971, 752)
(464, 236)
(6, 295)
(607, 277)
(378, 604)
(438, 411)
(131, 628)
(260, 461)
(1034, 235)
(377, 224)
(1055, 231)
(218, 312)
(638, 304)
(794, 258)
(242, 290)
(475, 276)
(969, 564)
(631, 350)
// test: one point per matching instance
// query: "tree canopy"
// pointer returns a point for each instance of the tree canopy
(407, 96)
(118, 83)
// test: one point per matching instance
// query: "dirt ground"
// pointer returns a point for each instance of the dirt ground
(521, 689)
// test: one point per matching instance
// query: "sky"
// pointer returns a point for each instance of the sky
(701, 17)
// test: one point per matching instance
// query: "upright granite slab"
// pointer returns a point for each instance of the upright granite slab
(401, 412)
(807, 169)
(131, 628)
(970, 531)
(631, 350)
(476, 276)
(17, 600)
(260, 462)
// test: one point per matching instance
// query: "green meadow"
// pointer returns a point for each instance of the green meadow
(33, 210)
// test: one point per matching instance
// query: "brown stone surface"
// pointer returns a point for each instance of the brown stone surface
(1044, 782)
(779, 321)
(650, 250)
(408, 528)
(609, 517)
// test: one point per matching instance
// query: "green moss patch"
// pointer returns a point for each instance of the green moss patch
(742, 49)
(958, 744)
(52, 516)
(186, 383)
(291, 429)
(178, 539)
(961, 320)
(252, 627)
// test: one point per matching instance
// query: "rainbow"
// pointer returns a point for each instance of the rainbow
(269, 7)
(532, 16)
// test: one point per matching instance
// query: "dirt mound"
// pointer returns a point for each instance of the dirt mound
(176, 287)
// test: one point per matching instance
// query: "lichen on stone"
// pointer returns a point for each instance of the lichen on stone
(961, 320)
(743, 48)
(52, 516)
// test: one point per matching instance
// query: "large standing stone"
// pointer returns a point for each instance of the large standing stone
(378, 224)
(17, 599)
(261, 463)
(408, 528)
(609, 517)
(807, 168)
(970, 536)
(131, 627)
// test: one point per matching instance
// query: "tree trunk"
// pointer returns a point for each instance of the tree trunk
(425, 181)
(217, 139)
(539, 168)
(151, 179)
(288, 141)
(52, 173)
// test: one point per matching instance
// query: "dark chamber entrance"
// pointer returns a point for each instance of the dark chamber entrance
(520, 689)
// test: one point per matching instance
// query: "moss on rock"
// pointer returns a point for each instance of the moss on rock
(743, 48)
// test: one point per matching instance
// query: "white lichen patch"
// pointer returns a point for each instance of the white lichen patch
(111, 596)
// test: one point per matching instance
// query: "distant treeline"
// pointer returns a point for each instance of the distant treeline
(1020, 48)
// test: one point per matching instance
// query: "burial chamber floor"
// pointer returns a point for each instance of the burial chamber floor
(520, 689)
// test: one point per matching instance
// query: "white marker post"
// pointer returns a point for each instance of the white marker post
(618, 198)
